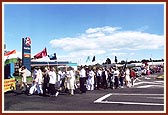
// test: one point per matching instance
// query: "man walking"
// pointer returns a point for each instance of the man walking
(23, 85)
(46, 81)
(71, 80)
(91, 80)
(82, 80)
(52, 82)
(98, 77)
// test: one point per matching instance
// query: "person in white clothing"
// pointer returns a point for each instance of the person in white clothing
(52, 81)
(127, 77)
(70, 80)
(98, 77)
(45, 81)
(23, 84)
(40, 81)
(90, 85)
(116, 77)
(82, 80)
(63, 77)
(34, 86)
(59, 78)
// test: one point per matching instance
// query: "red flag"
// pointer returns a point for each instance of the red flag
(41, 54)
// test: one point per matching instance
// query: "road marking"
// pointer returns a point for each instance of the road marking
(159, 81)
(147, 86)
(102, 99)
(148, 83)
(129, 103)
(134, 94)
(156, 98)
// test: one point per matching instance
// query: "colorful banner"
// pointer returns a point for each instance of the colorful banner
(9, 84)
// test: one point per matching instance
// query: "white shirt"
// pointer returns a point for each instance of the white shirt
(23, 75)
(127, 72)
(40, 76)
(116, 73)
(59, 75)
(91, 77)
(71, 74)
(52, 76)
(35, 74)
(82, 73)
(91, 73)
(63, 75)
(106, 74)
(99, 73)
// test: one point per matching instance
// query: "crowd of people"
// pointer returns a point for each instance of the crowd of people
(49, 82)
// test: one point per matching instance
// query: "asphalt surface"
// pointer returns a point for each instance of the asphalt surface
(147, 95)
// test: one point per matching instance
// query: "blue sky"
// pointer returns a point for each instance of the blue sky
(76, 31)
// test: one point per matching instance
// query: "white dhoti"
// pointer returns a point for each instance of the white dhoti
(36, 87)
(90, 83)
(70, 83)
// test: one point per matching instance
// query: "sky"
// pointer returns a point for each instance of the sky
(76, 31)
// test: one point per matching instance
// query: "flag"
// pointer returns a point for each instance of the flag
(10, 52)
(88, 59)
(53, 56)
(10, 57)
(41, 54)
(93, 59)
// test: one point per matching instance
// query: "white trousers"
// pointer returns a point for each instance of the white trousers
(36, 87)
(90, 87)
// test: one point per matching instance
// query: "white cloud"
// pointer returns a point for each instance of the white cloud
(101, 40)
(102, 29)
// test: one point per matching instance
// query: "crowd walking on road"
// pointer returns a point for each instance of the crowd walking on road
(48, 81)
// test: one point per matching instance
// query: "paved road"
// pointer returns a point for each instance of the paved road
(146, 95)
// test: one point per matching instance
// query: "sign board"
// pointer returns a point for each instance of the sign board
(26, 52)
(9, 84)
